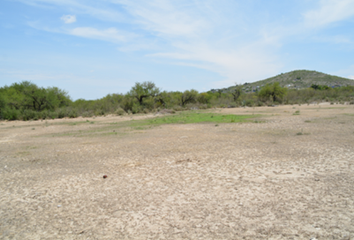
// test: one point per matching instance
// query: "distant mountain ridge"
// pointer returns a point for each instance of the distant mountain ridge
(297, 79)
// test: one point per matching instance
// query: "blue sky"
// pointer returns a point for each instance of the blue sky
(92, 48)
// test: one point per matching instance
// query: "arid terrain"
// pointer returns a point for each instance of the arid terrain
(283, 175)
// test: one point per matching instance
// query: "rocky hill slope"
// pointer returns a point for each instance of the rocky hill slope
(297, 80)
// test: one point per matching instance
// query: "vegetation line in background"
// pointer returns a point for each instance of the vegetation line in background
(25, 100)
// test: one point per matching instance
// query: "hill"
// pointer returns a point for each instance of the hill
(298, 79)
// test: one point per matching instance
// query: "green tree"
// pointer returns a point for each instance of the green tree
(36, 98)
(144, 90)
(28, 99)
(3, 104)
(220, 91)
(319, 87)
(204, 98)
(188, 96)
(162, 99)
(272, 91)
(236, 92)
(58, 98)
(39, 98)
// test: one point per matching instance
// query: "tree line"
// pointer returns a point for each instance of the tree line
(26, 100)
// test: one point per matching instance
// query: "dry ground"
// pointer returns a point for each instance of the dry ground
(286, 177)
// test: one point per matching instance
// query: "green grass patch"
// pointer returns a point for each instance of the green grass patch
(185, 118)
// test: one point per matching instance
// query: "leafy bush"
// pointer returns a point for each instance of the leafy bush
(136, 108)
(119, 111)
(29, 114)
(10, 113)
(178, 108)
(61, 113)
(52, 115)
(99, 112)
(249, 103)
(72, 114)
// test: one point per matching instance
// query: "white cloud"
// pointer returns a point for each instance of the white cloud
(220, 36)
(334, 39)
(199, 37)
(68, 19)
(330, 11)
(109, 34)
(202, 33)
(169, 18)
(346, 72)
(97, 9)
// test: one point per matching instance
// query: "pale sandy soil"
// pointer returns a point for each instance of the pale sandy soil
(193, 181)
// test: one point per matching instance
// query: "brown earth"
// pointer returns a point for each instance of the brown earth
(282, 176)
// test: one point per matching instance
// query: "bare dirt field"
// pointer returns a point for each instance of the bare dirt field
(280, 176)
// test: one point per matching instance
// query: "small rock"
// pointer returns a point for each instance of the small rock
(59, 206)
(316, 179)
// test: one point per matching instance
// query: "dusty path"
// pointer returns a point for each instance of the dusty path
(286, 177)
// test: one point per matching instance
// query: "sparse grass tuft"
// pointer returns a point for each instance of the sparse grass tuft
(121, 128)
(302, 133)
(259, 121)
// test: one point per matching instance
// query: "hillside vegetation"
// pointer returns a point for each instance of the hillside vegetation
(26, 101)
(298, 79)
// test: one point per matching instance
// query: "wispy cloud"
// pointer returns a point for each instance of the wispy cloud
(220, 36)
(339, 39)
(330, 11)
(199, 36)
(97, 9)
(110, 34)
(164, 17)
(347, 72)
(68, 19)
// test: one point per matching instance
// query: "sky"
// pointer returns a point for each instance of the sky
(92, 48)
